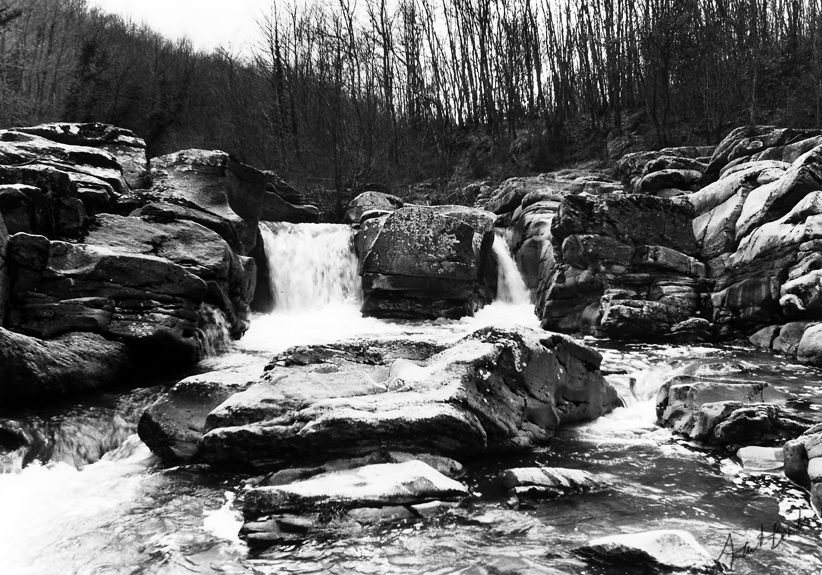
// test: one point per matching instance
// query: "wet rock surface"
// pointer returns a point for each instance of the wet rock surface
(495, 390)
(727, 409)
(32, 369)
(625, 267)
(427, 262)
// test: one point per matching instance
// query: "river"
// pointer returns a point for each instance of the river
(98, 502)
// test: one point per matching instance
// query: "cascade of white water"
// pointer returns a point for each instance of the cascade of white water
(511, 287)
(311, 265)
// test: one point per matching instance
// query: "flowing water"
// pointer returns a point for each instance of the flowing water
(97, 502)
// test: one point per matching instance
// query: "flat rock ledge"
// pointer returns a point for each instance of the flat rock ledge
(496, 390)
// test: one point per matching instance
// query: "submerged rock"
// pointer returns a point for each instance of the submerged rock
(342, 502)
(547, 482)
(664, 549)
(757, 459)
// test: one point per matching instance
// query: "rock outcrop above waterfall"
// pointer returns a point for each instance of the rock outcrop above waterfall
(282, 203)
(427, 262)
(494, 391)
(668, 172)
(33, 370)
(528, 205)
(214, 182)
(371, 203)
(625, 267)
(160, 280)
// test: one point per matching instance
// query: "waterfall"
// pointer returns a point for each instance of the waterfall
(310, 265)
(510, 285)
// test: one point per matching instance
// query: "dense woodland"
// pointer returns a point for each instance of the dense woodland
(342, 93)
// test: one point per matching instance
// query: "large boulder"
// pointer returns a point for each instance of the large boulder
(214, 182)
(494, 391)
(625, 267)
(369, 201)
(33, 370)
(148, 302)
(173, 425)
(632, 167)
(427, 262)
(230, 278)
(129, 150)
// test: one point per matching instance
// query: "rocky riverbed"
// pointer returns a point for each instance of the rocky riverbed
(194, 379)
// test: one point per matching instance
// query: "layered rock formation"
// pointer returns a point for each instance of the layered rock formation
(496, 390)
(93, 239)
(361, 433)
(427, 262)
(624, 267)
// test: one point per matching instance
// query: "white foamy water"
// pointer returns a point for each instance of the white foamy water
(310, 265)
(511, 287)
(318, 296)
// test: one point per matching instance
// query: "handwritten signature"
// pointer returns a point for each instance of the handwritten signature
(767, 539)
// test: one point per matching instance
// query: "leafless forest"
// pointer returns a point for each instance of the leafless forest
(341, 93)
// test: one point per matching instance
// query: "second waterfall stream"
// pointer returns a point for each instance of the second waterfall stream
(317, 294)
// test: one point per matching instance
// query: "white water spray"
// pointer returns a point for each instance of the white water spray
(310, 265)
(511, 287)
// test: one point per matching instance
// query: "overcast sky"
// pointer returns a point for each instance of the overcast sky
(208, 23)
